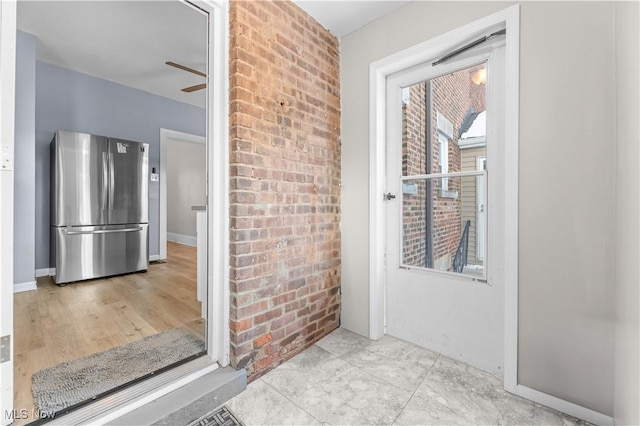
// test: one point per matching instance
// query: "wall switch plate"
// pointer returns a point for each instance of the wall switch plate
(155, 177)
(6, 157)
(5, 348)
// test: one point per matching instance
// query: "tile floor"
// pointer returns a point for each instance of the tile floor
(346, 379)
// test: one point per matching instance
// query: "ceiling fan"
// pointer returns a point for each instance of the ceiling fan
(191, 70)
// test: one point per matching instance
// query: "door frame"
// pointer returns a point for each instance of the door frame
(166, 137)
(378, 73)
(8, 11)
(218, 259)
(217, 187)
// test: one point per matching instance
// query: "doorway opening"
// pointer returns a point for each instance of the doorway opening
(58, 326)
(390, 296)
(183, 205)
(182, 187)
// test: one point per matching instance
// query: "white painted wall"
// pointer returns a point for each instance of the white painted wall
(186, 178)
(567, 209)
(627, 354)
(567, 153)
(24, 221)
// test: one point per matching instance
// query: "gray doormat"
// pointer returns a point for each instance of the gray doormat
(219, 417)
(80, 380)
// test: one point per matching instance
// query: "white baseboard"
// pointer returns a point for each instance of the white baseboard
(187, 240)
(154, 257)
(45, 272)
(27, 286)
(567, 407)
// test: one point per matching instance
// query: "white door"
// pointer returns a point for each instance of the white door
(7, 99)
(434, 296)
(480, 216)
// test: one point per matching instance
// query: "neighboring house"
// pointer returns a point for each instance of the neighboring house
(473, 156)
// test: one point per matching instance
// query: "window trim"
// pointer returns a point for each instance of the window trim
(445, 135)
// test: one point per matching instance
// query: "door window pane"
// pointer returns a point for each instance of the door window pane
(444, 135)
(450, 235)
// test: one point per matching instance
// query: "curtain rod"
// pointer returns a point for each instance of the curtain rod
(469, 46)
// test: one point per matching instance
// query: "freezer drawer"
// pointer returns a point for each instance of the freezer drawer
(86, 252)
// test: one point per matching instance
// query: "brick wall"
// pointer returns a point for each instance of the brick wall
(285, 183)
(452, 96)
(414, 160)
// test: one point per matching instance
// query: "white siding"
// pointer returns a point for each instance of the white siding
(469, 163)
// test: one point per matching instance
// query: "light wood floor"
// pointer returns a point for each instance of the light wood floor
(55, 324)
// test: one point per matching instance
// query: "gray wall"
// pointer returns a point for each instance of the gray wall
(24, 185)
(627, 354)
(566, 192)
(70, 100)
(567, 202)
(186, 168)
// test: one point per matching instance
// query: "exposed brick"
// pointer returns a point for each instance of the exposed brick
(241, 325)
(245, 360)
(267, 316)
(249, 334)
(262, 340)
(247, 311)
(283, 321)
(284, 182)
(290, 338)
(266, 362)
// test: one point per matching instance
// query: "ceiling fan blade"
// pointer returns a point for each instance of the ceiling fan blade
(182, 67)
(194, 88)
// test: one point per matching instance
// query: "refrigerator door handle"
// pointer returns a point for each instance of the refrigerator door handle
(104, 231)
(105, 181)
(111, 185)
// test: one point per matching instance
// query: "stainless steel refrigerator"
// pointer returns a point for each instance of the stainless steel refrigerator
(99, 206)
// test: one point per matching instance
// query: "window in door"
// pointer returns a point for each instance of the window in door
(444, 197)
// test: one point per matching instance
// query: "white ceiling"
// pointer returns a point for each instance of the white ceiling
(128, 42)
(342, 17)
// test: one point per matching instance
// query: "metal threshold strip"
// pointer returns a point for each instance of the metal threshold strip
(113, 406)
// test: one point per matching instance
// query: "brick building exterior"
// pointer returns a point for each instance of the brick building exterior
(452, 98)
(285, 183)
(414, 161)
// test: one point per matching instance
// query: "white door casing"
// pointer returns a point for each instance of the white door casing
(218, 180)
(449, 313)
(7, 120)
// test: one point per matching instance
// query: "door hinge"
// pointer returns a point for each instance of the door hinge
(389, 196)
(5, 348)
